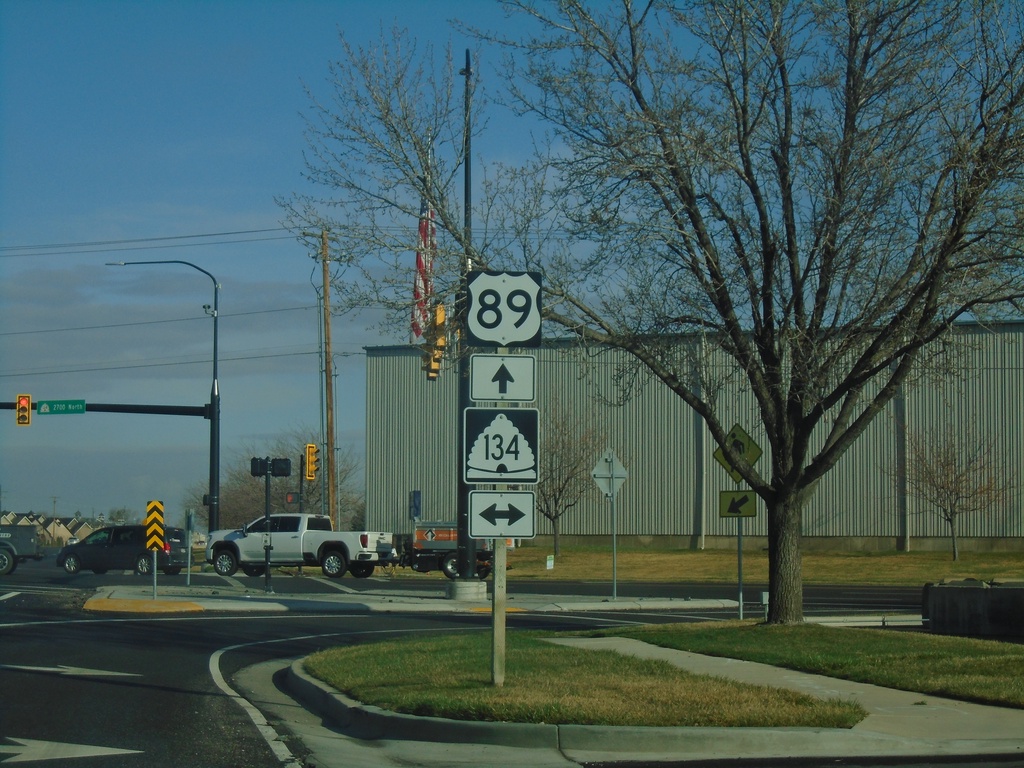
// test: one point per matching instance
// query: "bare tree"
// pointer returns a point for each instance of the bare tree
(570, 450)
(957, 473)
(815, 190)
(243, 497)
(123, 515)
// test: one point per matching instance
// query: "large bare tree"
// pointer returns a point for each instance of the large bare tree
(817, 190)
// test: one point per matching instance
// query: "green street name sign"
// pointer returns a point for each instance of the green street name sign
(54, 407)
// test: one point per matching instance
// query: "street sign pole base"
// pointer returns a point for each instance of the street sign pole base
(466, 589)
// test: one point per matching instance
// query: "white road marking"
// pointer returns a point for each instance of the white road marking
(63, 669)
(30, 751)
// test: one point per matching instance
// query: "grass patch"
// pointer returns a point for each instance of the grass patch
(449, 676)
(984, 671)
(717, 566)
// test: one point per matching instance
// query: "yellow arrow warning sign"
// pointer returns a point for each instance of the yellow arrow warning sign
(155, 525)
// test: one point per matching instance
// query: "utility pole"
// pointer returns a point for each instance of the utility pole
(332, 509)
(466, 545)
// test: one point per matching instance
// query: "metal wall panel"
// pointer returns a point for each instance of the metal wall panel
(674, 482)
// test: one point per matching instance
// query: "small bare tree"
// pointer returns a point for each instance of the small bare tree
(565, 464)
(957, 473)
(243, 496)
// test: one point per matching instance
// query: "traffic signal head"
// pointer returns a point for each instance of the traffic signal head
(440, 330)
(431, 362)
(311, 461)
(23, 410)
(433, 349)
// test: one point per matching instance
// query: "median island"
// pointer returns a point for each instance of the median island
(448, 675)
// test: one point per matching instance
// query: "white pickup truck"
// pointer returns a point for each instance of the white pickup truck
(296, 539)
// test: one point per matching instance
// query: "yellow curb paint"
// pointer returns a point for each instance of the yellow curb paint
(114, 605)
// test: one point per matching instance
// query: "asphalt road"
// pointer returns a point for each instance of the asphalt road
(83, 689)
(119, 690)
(818, 599)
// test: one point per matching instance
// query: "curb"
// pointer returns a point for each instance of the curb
(364, 721)
(116, 605)
(588, 743)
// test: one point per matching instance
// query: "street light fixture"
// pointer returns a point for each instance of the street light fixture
(212, 500)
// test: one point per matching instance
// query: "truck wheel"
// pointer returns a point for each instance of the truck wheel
(144, 564)
(483, 571)
(450, 565)
(7, 562)
(225, 563)
(254, 570)
(361, 570)
(334, 564)
(72, 564)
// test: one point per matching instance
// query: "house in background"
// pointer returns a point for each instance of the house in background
(52, 531)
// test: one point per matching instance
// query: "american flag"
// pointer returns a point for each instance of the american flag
(423, 286)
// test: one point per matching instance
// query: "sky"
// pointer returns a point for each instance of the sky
(159, 130)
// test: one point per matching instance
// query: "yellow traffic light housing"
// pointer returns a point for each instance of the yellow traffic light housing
(311, 461)
(435, 340)
(439, 327)
(23, 410)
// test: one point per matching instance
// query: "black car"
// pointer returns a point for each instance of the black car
(123, 547)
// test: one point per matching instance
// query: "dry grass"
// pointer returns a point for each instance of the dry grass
(448, 676)
(719, 566)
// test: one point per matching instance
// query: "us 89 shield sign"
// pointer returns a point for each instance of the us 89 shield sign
(503, 309)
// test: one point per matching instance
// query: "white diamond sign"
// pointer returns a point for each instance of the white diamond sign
(609, 474)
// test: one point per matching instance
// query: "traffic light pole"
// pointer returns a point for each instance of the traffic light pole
(212, 499)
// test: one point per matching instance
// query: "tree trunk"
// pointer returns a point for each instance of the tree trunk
(785, 568)
(952, 535)
(554, 531)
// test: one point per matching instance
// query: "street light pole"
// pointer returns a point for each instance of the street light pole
(212, 500)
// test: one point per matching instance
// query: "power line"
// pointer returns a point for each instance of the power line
(152, 322)
(100, 367)
(139, 243)
(150, 364)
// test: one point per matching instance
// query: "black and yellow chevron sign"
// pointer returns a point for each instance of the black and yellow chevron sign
(155, 525)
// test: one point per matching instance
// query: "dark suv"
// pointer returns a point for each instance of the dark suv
(123, 547)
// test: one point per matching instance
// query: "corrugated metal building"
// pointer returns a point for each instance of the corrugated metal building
(672, 492)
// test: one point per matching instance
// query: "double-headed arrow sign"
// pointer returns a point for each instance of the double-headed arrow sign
(511, 516)
(501, 514)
